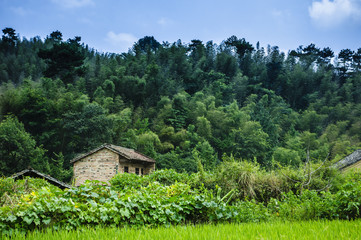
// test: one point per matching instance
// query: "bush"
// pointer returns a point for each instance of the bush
(348, 200)
(11, 191)
(6, 187)
(94, 203)
(311, 204)
(167, 177)
(123, 181)
(240, 175)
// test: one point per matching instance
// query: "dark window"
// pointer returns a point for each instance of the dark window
(141, 170)
(137, 171)
(126, 169)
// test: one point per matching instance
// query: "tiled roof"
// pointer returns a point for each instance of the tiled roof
(349, 160)
(131, 153)
(127, 153)
(35, 174)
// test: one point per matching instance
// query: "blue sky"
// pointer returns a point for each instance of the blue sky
(114, 25)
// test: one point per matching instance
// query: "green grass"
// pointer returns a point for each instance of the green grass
(276, 230)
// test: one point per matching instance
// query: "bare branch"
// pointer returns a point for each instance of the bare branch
(321, 164)
(289, 177)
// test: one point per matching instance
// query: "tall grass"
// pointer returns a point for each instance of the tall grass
(275, 230)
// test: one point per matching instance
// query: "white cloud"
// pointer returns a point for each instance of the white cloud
(164, 21)
(74, 3)
(85, 20)
(121, 42)
(334, 13)
(277, 13)
(20, 11)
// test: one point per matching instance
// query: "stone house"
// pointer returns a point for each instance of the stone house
(107, 160)
(352, 161)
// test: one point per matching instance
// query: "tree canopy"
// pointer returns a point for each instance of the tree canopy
(181, 103)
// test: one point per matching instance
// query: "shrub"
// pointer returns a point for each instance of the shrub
(11, 191)
(167, 177)
(311, 204)
(240, 175)
(94, 203)
(348, 200)
(123, 181)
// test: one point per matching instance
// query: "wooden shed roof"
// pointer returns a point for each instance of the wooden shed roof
(127, 153)
(36, 174)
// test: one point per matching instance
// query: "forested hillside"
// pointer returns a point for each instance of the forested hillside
(179, 103)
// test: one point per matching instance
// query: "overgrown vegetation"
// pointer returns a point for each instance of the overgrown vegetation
(168, 198)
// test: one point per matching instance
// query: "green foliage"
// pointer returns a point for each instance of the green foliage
(168, 198)
(311, 204)
(95, 204)
(87, 128)
(123, 181)
(287, 156)
(148, 143)
(240, 175)
(18, 149)
(12, 192)
(250, 141)
(9, 36)
(167, 177)
(64, 59)
(57, 168)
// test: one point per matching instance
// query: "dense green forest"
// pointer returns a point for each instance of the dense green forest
(180, 103)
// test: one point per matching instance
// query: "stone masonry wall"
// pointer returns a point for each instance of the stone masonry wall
(150, 168)
(100, 166)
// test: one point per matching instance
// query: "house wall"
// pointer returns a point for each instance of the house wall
(100, 165)
(147, 167)
(150, 168)
(103, 165)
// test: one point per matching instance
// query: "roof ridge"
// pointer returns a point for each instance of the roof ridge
(116, 150)
(142, 154)
(128, 153)
(46, 176)
(130, 149)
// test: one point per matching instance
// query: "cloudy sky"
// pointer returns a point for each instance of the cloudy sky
(114, 25)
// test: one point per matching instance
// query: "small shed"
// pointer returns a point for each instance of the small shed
(350, 162)
(104, 162)
(36, 174)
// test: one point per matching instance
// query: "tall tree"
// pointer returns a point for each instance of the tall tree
(357, 60)
(241, 45)
(64, 59)
(9, 36)
(345, 58)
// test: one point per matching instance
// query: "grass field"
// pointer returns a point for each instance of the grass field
(275, 230)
